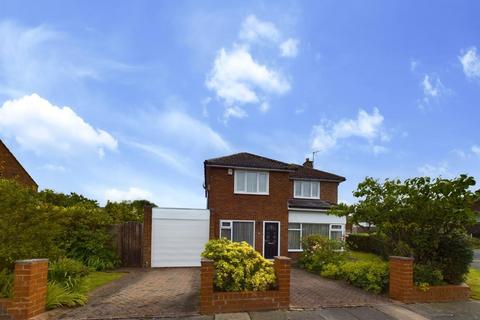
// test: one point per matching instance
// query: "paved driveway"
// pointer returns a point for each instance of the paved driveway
(175, 292)
(310, 291)
(141, 293)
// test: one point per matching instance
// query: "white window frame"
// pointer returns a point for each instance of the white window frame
(330, 229)
(231, 228)
(301, 189)
(263, 238)
(258, 182)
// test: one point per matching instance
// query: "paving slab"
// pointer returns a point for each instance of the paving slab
(337, 314)
(232, 316)
(269, 315)
(305, 315)
(467, 310)
(369, 313)
(400, 313)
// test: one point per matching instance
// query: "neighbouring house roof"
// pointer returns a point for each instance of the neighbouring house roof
(249, 160)
(308, 204)
(11, 168)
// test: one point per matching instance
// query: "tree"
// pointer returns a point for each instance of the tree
(418, 215)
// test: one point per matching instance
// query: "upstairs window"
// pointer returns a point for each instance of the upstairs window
(306, 189)
(251, 182)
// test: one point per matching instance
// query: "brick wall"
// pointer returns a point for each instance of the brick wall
(403, 289)
(29, 289)
(147, 237)
(329, 191)
(10, 168)
(220, 302)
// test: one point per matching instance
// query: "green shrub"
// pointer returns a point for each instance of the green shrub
(369, 242)
(238, 267)
(319, 251)
(427, 275)
(454, 256)
(369, 275)
(67, 272)
(28, 228)
(6, 283)
(59, 296)
(474, 242)
(86, 234)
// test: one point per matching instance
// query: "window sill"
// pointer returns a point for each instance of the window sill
(310, 198)
(251, 193)
(295, 250)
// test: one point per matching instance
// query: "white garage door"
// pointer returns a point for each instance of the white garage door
(178, 236)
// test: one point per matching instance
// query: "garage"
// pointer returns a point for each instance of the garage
(178, 236)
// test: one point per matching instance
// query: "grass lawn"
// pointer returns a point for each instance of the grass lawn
(473, 280)
(97, 279)
(363, 256)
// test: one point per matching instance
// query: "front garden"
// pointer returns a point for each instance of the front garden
(421, 218)
(70, 230)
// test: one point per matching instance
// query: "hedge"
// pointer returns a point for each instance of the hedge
(369, 242)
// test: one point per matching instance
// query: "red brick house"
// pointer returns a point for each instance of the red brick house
(10, 168)
(269, 203)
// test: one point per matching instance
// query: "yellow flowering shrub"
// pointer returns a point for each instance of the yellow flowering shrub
(238, 267)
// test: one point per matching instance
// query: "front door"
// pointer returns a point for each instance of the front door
(270, 239)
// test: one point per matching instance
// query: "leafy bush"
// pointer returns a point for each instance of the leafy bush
(59, 296)
(238, 267)
(67, 272)
(454, 256)
(319, 251)
(86, 235)
(427, 275)
(28, 228)
(6, 283)
(369, 242)
(474, 242)
(368, 275)
(421, 217)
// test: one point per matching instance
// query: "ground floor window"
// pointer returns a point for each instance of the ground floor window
(238, 230)
(297, 231)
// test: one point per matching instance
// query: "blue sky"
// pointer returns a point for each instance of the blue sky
(120, 100)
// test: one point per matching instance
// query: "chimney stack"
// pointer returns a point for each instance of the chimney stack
(308, 163)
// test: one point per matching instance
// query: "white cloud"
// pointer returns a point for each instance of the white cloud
(429, 170)
(414, 65)
(233, 112)
(43, 59)
(237, 78)
(366, 126)
(190, 132)
(433, 89)
(38, 125)
(289, 48)
(264, 107)
(255, 30)
(132, 193)
(476, 150)
(168, 156)
(470, 61)
(377, 149)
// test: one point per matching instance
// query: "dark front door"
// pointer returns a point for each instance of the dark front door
(270, 242)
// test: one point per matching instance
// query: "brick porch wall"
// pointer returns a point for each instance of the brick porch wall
(147, 237)
(403, 289)
(29, 289)
(219, 302)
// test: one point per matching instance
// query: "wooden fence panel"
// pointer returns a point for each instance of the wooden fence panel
(127, 240)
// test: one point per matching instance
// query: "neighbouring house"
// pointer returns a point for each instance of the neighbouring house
(10, 168)
(475, 229)
(270, 204)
